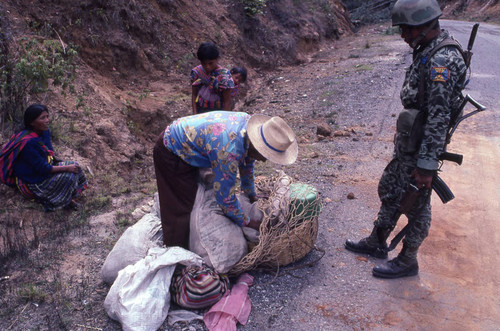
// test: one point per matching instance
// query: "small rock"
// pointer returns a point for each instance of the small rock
(338, 133)
(362, 258)
(323, 129)
(328, 200)
(313, 155)
(351, 196)
(138, 213)
(146, 208)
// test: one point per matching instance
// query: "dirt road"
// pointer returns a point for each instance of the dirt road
(460, 259)
(356, 89)
(353, 86)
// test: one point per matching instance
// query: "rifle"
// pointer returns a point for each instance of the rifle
(438, 184)
(409, 198)
(468, 53)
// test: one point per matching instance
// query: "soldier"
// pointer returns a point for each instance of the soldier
(431, 91)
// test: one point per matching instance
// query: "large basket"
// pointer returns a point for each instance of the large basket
(289, 227)
(294, 245)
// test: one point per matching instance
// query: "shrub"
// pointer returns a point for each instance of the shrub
(31, 70)
(254, 7)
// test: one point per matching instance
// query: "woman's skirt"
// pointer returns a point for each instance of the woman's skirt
(58, 190)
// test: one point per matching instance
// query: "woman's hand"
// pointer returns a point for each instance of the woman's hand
(74, 168)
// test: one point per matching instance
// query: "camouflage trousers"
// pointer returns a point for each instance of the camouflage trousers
(393, 183)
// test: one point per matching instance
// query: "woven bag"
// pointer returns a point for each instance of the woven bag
(198, 287)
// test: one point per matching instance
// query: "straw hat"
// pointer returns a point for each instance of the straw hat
(273, 138)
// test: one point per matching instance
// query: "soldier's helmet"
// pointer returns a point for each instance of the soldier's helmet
(415, 12)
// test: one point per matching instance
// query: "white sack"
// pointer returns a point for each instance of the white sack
(155, 210)
(182, 315)
(213, 236)
(139, 298)
(132, 246)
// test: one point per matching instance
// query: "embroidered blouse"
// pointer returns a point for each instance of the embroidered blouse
(211, 86)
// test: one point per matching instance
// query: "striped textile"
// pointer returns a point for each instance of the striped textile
(23, 188)
(198, 287)
(9, 153)
(59, 189)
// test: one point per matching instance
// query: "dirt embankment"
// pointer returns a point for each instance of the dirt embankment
(481, 10)
(132, 80)
(134, 59)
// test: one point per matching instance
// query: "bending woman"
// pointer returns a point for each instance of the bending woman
(27, 161)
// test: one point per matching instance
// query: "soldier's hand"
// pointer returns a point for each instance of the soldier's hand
(422, 180)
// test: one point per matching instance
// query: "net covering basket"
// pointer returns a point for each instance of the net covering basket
(289, 227)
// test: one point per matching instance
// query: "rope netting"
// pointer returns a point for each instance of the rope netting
(289, 227)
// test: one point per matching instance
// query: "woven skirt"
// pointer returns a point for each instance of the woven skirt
(59, 189)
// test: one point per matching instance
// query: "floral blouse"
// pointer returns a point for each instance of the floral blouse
(218, 140)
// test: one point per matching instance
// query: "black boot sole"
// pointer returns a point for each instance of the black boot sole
(378, 253)
(412, 271)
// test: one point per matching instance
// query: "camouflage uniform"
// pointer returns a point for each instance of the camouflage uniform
(444, 80)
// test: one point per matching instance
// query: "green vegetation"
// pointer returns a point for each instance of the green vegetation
(30, 70)
(363, 67)
(184, 62)
(123, 220)
(144, 94)
(254, 7)
(31, 293)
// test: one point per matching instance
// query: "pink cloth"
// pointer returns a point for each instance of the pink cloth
(234, 307)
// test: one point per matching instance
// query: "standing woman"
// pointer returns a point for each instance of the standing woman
(27, 161)
(211, 84)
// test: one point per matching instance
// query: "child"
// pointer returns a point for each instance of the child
(239, 75)
(211, 84)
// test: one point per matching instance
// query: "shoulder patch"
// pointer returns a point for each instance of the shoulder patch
(440, 74)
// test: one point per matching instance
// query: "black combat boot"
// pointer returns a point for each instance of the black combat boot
(404, 265)
(374, 245)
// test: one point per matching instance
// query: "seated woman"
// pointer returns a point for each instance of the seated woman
(27, 161)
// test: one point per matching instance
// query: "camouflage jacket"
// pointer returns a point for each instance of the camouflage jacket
(444, 80)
